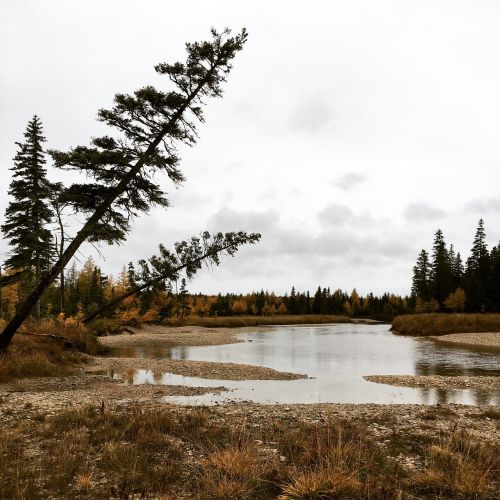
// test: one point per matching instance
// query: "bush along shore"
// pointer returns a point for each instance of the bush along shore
(444, 324)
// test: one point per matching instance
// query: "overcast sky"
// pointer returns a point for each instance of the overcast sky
(348, 133)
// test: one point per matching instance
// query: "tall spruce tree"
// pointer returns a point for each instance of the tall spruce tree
(457, 268)
(441, 274)
(477, 273)
(29, 213)
(421, 277)
(494, 279)
(149, 127)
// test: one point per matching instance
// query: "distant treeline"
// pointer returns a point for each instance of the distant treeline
(87, 289)
(442, 282)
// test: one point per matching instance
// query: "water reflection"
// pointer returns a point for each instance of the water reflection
(337, 356)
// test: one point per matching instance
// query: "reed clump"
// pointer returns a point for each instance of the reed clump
(48, 348)
(443, 324)
(242, 321)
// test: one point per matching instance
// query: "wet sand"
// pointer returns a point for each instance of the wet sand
(438, 381)
(170, 336)
(483, 339)
(188, 368)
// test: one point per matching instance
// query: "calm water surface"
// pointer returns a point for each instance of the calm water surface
(337, 357)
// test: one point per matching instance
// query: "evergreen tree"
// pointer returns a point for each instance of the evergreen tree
(477, 273)
(292, 302)
(494, 279)
(183, 295)
(457, 269)
(441, 274)
(421, 277)
(307, 303)
(29, 213)
(131, 276)
(316, 304)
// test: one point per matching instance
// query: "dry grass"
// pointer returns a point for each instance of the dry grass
(443, 324)
(459, 467)
(100, 453)
(241, 321)
(40, 356)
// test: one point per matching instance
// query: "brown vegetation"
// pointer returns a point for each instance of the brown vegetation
(97, 452)
(43, 352)
(241, 321)
(443, 324)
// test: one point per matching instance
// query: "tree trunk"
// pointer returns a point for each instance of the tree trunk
(37, 277)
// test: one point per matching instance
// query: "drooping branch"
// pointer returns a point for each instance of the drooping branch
(189, 257)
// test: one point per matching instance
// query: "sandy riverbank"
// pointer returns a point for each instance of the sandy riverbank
(170, 336)
(483, 339)
(489, 383)
(188, 368)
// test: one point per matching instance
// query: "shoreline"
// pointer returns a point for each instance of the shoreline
(481, 339)
(480, 382)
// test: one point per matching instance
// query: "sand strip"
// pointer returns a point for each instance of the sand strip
(484, 339)
(438, 381)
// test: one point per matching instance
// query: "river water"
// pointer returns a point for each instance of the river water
(336, 357)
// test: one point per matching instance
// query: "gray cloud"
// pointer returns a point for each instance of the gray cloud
(483, 205)
(312, 114)
(422, 212)
(280, 240)
(335, 215)
(349, 181)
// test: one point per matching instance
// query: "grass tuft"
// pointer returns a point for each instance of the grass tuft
(443, 324)
(242, 321)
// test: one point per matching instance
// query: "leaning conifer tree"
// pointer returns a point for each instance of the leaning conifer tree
(148, 127)
(29, 213)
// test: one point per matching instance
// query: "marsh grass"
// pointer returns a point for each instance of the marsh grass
(96, 452)
(41, 356)
(443, 324)
(242, 321)
(460, 467)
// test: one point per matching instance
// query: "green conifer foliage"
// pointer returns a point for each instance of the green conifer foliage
(477, 273)
(494, 279)
(28, 214)
(421, 277)
(441, 271)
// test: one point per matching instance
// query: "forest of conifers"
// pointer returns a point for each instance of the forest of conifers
(443, 282)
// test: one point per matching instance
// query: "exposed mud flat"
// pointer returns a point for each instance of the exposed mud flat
(151, 335)
(438, 381)
(483, 339)
(188, 368)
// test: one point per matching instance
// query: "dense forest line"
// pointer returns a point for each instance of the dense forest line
(88, 289)
(442, 282)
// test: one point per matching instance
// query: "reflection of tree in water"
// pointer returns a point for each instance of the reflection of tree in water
(437, 360)
(485, 397)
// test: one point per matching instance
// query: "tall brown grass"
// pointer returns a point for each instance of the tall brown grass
(240, 321)
(47, 353)
(442, 324)
(139, 452)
